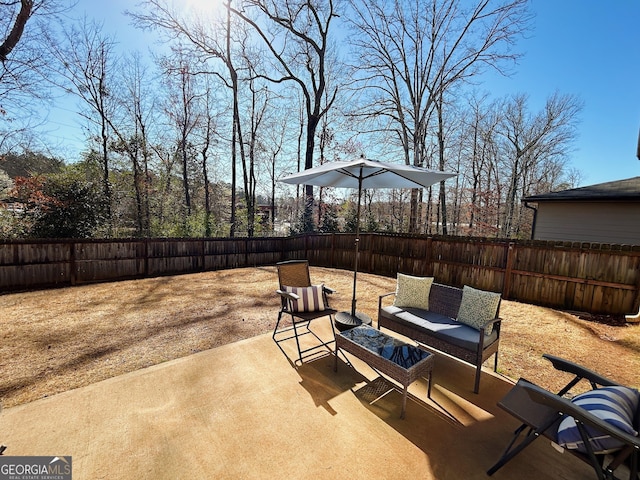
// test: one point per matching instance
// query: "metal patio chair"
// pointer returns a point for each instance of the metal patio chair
(302, 302)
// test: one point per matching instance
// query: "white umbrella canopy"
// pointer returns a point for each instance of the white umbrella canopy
(364, 174)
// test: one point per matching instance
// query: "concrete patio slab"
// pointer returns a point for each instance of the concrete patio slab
(246, 410)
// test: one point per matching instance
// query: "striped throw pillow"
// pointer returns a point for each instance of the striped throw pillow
(311, 298)
(615, 405)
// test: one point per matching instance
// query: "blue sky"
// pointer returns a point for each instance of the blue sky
(589, 48)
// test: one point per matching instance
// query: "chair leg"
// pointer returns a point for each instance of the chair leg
(295, 334)
(295, 328)
(476, 387)
(593, 459)
(524, 441)
(633, 467)
(627, 454)
(275, 329)
(333, 330)
(513, 449)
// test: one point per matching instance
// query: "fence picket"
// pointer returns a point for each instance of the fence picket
(573, 276)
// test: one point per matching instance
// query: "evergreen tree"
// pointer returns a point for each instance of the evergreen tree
(329, 222)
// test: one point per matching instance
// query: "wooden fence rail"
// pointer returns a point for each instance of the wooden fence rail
(594, 278)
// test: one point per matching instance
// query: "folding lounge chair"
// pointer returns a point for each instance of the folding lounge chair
(302, 302)
(599, 426)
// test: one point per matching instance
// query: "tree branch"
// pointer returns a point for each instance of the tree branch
(16, 32)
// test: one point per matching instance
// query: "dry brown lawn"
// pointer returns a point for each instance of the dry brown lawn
(57, 340)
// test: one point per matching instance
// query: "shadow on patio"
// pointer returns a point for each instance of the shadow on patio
(245, 411)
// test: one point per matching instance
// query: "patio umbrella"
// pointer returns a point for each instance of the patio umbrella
(363, 174)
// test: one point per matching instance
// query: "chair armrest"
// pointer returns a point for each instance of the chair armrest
(567, 407)
(579, 371)
(288, 295)
(496, 325)
(328, 290)
(495, 321)
(383, 296)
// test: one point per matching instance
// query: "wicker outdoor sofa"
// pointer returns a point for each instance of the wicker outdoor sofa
(441, 325)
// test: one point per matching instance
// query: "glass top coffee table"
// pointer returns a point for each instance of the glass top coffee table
(400, 361)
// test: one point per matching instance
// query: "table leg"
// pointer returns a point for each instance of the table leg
(404, 401)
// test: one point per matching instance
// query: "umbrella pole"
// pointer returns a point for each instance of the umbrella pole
(355, 274)
(355, 268)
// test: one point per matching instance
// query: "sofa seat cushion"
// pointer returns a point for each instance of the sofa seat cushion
(439, 326)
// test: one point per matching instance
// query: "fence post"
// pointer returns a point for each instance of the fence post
(506, 284)
(202, 256)
(636, 297)
(145, 265)
(306, 245)
(429, 257)
(333, 250)
(72, 261)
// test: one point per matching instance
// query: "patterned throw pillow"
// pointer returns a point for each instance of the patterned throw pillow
(413, 291)
(615, 405)
(311, 298)
(478, 307)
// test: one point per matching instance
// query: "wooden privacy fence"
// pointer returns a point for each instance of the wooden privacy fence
(594, 278)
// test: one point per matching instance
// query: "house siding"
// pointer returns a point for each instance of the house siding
(602, 222)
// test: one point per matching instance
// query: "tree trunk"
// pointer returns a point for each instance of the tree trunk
(312, 125)
(106, 186)
(441, 164)
(16, 31)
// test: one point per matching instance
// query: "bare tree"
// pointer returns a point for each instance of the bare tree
(531, 144)
(259, 103)
(207, 43)
(236, 137)
(25, 32)
(334, 135)
(137, 107)
(480, 170)
(274, 144)
(87, 64)
(183, 102)
(208, 128)
(298, 44)
(411, 52)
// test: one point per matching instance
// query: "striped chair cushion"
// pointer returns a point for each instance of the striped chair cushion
(311, 298)
(614, 405)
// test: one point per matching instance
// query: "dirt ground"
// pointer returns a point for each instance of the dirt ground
(57, 340)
